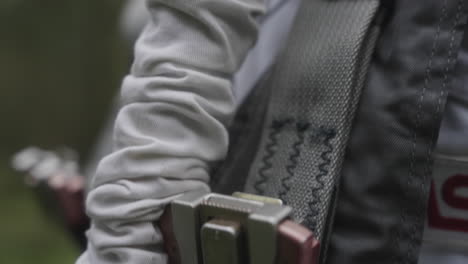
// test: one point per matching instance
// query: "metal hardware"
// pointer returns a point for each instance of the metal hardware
(253, 197)
(262, 235)
(244, 228)
(221, 242)
(187, 227)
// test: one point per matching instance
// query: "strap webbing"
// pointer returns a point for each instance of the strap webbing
(316, 89)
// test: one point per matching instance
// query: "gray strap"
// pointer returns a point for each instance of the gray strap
(316, 89)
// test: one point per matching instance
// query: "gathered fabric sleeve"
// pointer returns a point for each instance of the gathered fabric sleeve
(177, 102)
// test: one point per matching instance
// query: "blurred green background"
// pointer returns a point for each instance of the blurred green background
(61, 62)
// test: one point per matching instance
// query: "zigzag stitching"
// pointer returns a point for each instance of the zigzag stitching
(275, 129)
(301, 128)
(329, 135)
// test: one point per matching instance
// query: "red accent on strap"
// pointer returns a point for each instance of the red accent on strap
(436, 220)
(449, 195)
(170, 243)
(297, 244)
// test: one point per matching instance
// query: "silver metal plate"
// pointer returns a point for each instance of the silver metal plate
(255, 215)
(221, 242)
(186, 224)
(262, 232)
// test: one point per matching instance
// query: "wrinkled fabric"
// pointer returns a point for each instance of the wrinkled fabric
(177, 102)
(124, 209)
(446, 234)
(133, 18)
(441, 245)
(454, 130)
(386, 175)
(438, 253)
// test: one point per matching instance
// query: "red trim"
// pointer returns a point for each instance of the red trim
(436, 220)
(449, 188)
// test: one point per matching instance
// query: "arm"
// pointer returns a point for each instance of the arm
(177, 102)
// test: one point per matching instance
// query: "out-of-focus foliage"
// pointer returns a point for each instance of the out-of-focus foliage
(61, 63)
(27, 235)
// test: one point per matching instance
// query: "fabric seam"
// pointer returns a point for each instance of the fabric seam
(427, 168)
(428, 71)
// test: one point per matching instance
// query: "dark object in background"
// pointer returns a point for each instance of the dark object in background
(58, 185)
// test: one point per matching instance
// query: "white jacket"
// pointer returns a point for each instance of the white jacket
(177, 101)
(188, 78)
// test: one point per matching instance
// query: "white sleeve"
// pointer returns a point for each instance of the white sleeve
(177, 103)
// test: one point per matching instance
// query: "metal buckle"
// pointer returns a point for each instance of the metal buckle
(243, 228)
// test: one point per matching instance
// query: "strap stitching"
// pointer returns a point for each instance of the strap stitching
(301, 128)
(270, 151)
(322, 134)
(328, 135)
